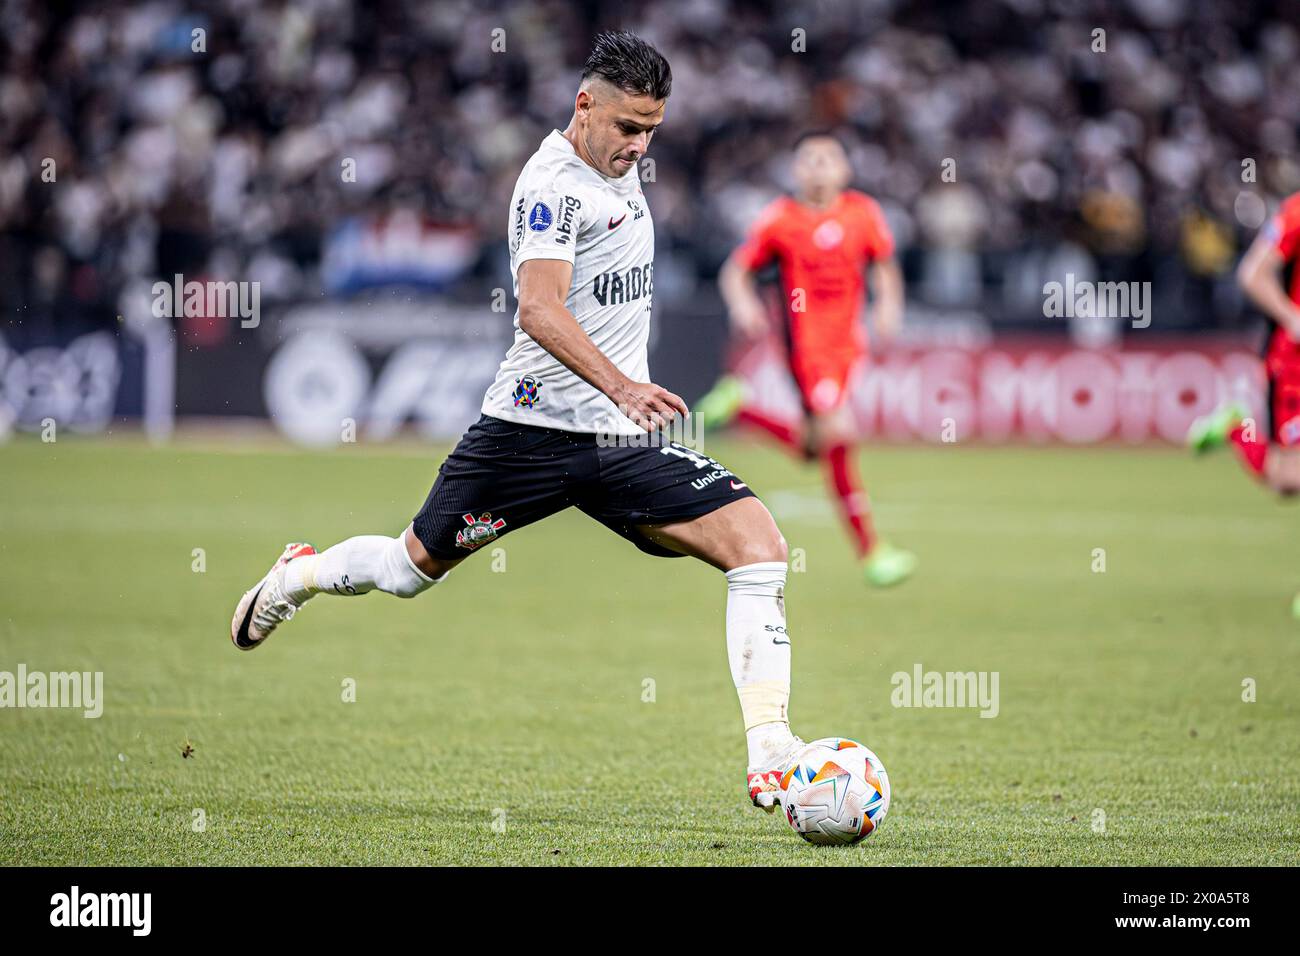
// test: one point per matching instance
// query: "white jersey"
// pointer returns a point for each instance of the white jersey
(564, 209)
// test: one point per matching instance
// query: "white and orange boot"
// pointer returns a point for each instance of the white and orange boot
(765, 784)
(265, 605)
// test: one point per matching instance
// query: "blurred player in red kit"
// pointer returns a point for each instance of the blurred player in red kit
(1271, 455)
(823, 240)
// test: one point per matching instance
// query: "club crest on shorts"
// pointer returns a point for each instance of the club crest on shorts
(478, 531)
(527, 392)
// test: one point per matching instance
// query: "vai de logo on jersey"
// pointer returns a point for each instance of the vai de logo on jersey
(615, 288)
(527, 392)
(478, 531)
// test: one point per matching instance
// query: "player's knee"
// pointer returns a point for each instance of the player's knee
(401, 576)
(765, 544)
(782, 549)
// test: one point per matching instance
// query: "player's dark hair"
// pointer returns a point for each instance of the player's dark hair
(631, 64)
(819, 134)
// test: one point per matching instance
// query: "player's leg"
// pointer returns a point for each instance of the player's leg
(1231, 424)
(788, 431)
(1279, 461)
(735, 535)
(728, 402)
(672, 501)
(487, 486)
(832, 437)
(1269, 455)
(359, 565)
(398, 566)
(1215, 428)
(718, 407)
(742, 540)
(1282, 470)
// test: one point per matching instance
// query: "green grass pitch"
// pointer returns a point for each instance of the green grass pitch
(499, 718)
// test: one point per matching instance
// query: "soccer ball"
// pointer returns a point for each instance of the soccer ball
(835, 792)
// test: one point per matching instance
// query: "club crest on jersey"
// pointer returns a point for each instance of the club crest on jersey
(527, 392)
(478, 531)
(540, 219)
(1289, 432)
(828, 235)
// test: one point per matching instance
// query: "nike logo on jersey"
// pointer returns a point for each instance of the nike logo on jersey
(737, 485)
(615, 223)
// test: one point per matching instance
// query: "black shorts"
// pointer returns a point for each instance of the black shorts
(503, 476)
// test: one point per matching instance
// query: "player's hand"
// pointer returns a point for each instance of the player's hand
(750, 323)
(650, 406)
(888, 324)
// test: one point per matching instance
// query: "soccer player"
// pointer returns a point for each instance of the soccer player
(565, 422)
(1272, 456)
(822, 239)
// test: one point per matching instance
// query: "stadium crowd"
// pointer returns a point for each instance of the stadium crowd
(215, 136)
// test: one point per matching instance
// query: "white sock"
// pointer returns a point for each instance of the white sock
(368, 562)
(758, 649)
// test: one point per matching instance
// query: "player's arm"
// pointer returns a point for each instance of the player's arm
(543, 287)
(736, 281)
(1260, 277)
(740, 293)
(886, 278)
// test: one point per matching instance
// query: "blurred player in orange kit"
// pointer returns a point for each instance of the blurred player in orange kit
(823, 240)
(1271, 455)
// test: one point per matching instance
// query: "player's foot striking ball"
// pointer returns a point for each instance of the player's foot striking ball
(822, 241)
(565, 422)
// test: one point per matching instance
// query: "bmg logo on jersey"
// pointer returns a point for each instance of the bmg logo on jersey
(527, 392)
(540, 219)
(569, 207)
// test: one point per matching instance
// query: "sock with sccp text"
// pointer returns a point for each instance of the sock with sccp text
(368, 562)
(758, 649)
